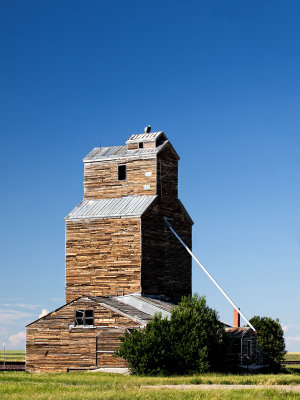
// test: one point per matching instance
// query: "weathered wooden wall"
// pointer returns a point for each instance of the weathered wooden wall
(110, 255)
(101, 178)
(250, 335)
(167, 175)
(166, 265)
(238, 352)
(102, 257)
(108, 341)
(52, 345)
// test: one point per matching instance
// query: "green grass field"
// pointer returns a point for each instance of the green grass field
(88, 386)
(292, 357)
(13, 355)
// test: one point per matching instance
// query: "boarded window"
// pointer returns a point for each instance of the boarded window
(121, 172)
(84, 317)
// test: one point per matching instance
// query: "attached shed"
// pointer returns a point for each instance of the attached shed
(244, 349)
(85, 333)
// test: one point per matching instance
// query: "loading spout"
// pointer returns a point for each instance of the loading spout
(207, 273)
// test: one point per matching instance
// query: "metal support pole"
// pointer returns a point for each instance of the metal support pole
(208, 274)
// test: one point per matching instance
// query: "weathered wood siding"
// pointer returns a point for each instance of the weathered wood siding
(102, 257)
(108, 341)
(53, 345)
(167, 175)
(252, 337)
(149, 145)
(238, 352)
(101, 178)
(166, 265)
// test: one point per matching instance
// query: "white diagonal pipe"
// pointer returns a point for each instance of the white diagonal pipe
(208, 274)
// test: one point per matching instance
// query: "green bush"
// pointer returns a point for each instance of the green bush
(192, 341)
(270, 340)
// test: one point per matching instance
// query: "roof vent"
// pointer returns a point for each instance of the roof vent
(147, 129)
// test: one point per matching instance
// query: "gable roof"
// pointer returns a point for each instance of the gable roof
(140, 308)
(122, 152)
(117, 152)
(128, 206)
(133, 312)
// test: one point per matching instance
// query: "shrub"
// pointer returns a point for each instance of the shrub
(192, 341)
(270, 340)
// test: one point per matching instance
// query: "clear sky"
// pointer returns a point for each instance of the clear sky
(221, 78)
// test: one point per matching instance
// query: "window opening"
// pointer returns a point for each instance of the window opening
(121, 172)
(84, 317)
(141, 145)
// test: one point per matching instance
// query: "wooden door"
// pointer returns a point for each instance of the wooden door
(108, 341)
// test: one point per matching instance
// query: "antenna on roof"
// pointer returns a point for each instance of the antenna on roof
(147, 129)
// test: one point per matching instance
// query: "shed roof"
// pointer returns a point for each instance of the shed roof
(128, 206)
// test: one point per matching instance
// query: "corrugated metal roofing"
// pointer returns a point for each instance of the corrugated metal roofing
(115, 152)
(144, 137)
(111, 303)
(126, 309)
(129, 206)
(147, 304)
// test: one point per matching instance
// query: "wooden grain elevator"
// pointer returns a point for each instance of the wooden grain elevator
(122, 263)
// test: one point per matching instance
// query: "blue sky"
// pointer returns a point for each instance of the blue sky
(221, 78)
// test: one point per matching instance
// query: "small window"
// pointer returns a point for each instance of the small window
(84, 317)
(141, 145)
(121, 172)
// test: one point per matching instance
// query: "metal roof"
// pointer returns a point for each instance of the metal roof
(111, 303)
(144, 137)
(147, 304)
(124, 309)
(116, 152)
(129, 206)
(140, 308)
